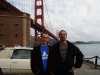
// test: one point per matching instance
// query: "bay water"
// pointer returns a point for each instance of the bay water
(90, 50)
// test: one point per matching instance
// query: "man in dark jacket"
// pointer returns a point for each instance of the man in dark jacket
(65, 56)
(41, 58)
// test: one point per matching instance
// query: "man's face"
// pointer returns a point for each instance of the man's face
(62, 36)
(44, 38)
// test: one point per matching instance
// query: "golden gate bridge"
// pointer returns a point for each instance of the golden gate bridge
(38, 7)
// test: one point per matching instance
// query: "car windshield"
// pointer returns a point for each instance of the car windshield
(21, 54)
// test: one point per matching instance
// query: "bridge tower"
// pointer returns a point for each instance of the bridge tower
(39, 14)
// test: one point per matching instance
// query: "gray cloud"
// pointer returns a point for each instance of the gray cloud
(80, 18)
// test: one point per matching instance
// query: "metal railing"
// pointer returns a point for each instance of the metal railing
(95, 62)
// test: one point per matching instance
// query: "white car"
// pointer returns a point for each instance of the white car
(15, 60)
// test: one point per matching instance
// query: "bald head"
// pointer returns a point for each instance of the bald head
(62, 35)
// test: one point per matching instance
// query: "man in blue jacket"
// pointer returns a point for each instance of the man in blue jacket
(41, 57)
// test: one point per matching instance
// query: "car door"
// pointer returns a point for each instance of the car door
(20, 61)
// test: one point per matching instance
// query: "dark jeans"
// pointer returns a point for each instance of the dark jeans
(62, 70)
(44, 73)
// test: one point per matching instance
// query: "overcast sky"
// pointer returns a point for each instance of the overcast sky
(80, 18)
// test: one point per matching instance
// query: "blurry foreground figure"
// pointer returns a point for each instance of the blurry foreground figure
(1, 72)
